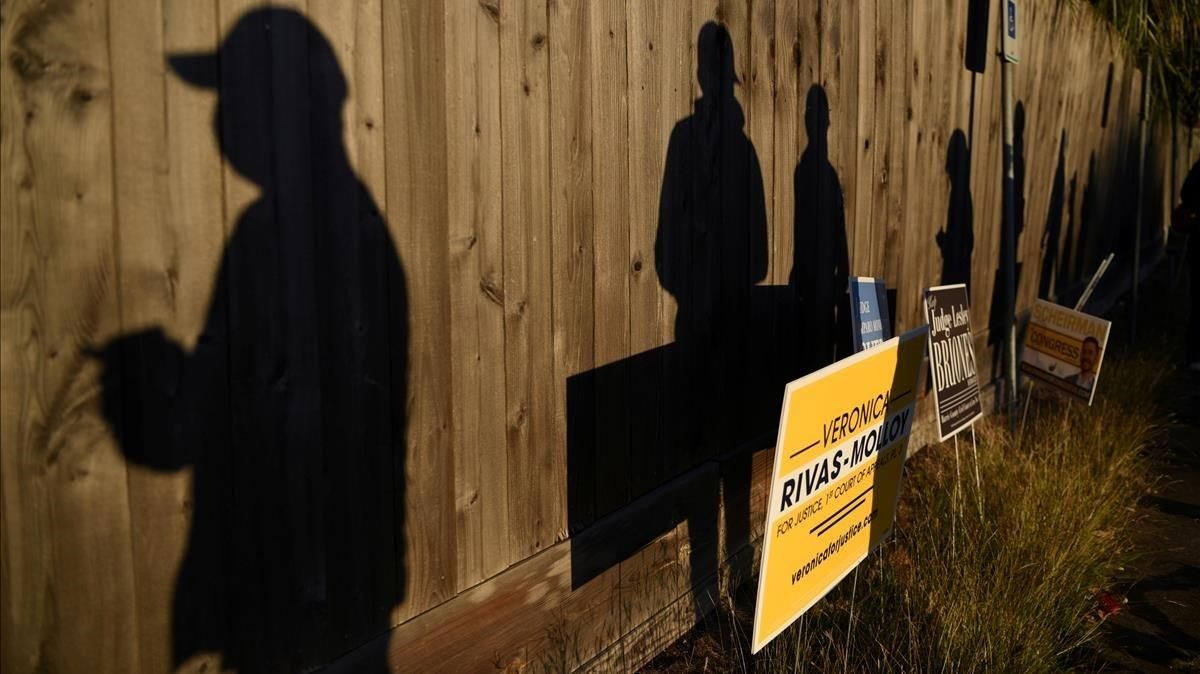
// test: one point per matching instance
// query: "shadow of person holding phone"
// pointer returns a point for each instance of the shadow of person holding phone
(290, 408)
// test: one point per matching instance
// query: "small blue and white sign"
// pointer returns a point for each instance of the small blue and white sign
(1010, 31)
(869, 312)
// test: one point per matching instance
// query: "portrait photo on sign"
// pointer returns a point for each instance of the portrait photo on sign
(1064, 348)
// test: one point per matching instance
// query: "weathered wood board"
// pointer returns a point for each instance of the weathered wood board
(452, 334)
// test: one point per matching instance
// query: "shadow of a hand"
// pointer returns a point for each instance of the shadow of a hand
(140, 385)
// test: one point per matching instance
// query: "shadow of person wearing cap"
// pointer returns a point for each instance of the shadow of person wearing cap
(290, 409)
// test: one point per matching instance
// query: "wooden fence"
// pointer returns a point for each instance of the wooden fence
(450, 335)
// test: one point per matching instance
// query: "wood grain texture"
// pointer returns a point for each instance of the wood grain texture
(865, 251)
(359, 530)
(572, 58)
(415, 119)
(839, 78)
(465, 359)
(493, 426)
(536, 477)
(171, 233)
(68, 574)
(607, 79)
(360, 256)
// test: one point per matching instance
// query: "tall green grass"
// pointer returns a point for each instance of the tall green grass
(996, 577)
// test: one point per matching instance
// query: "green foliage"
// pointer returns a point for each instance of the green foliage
(1164, 35)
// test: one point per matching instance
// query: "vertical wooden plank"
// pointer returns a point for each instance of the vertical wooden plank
(313, 393)
(1038, 147)
(866, 256)
(737, 223)
(961, 110)
(476, 287)
(616, 479)
(907, 312)
(662, 82)
(660, 95)
(930, 169)
(693, 317)
(876, 46)
(1082, 128)
(985, 140)
(702, 11)
(839, 77)
(958, 244)
(763, 51)
(1040, 100)
(535, 469)
(797, 69)
(788, 85)
(990, 214)
(415, 114)
(21, 521)
(574, 266)
(678, 39)
(171, 234)
(365, 113)
(461, 178)
(947, 64)
(1088, 58)
(897, 58)
(267, 289)
(803, 73)
(759, 318)
(159, 516)
(821, 254)
(952, 121)
(353, 254)
(493, 424)
(756, 311)
(69, 598)
(891, 101)
(245, 128)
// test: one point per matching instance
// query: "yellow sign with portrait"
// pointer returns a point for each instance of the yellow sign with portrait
(1064, 348)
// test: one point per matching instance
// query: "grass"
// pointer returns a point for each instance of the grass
(1002, 576)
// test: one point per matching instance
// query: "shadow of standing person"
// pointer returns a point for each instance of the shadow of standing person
(999, 310)
(957, 240)
(1047, 286)
(1091, 223)
(820, 268)
(1064, 275)
(290, 409)
(710, 250)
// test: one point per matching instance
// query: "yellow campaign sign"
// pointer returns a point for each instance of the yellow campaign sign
(843, 439)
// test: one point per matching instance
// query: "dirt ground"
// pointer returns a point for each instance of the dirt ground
(1158, 629)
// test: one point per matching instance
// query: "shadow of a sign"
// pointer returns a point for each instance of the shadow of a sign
(641, 430)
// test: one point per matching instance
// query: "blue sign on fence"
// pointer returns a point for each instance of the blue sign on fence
(869, 309)
(1010, 31)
